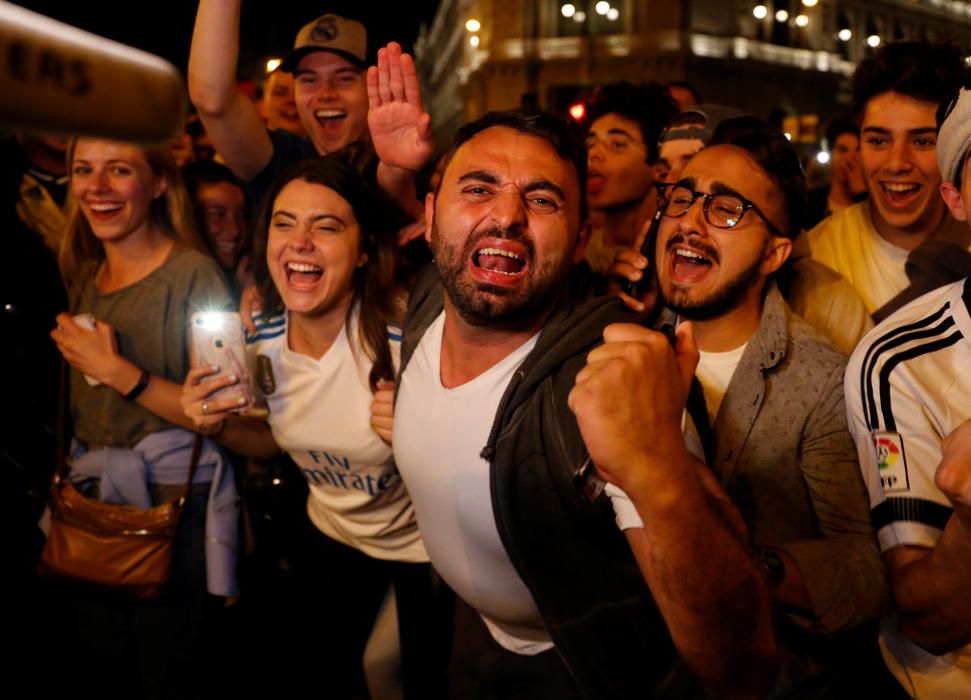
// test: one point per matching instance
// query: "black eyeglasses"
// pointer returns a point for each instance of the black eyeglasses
(721, 210)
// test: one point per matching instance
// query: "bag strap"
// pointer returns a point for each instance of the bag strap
(193, 463)
(60, 458)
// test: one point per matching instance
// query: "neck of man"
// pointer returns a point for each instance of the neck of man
(911, 237)
(312, 335)
(622, 225)
(732, 329)
(469, 349)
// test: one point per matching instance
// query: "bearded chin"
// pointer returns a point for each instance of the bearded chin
(482, 304)
(730, 296)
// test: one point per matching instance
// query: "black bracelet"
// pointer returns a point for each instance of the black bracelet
(143, 380)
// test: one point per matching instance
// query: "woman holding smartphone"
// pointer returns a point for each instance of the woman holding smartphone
(324, 352)
(131, 264)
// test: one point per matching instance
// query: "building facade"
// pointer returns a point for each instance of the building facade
(769, 57)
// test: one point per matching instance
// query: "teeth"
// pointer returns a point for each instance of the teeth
(105, 207)
(899, 187)
(228, 247)
(303, 267)
(498, 251)
(329, 113)
(690, 254)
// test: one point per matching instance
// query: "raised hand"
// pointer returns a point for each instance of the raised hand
(399, 125)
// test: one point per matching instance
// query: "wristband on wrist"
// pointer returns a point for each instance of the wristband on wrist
(143, 380)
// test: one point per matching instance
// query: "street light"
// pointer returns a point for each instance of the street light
(613, 14)
(802, 20)
(602, 7)
(473, 25)
(781, 16)
(845, 34)
(579, 16)
(873, 41)
(474, 41)
(568, 10)
(272, 64)
(809, 3)
(760, 11)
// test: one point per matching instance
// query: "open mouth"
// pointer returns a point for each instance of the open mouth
(330, 118)
(301, 273)
(504, 262)
(595, 181)
(689, 265)
(900, 193)
(104, 210)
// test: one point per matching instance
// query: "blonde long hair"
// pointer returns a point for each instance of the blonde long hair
(171, 212)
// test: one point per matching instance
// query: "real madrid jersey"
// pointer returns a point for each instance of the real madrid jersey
(908, 386)
(320, 413)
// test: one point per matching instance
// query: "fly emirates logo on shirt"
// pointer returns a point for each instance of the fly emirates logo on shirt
(338, 472)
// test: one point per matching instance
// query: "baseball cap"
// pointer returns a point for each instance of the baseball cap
(710, 115)
(345, 37)
(954, 136)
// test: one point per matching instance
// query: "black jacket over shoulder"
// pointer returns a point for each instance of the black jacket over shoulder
(568, 551)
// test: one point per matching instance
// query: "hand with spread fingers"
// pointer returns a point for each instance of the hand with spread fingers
(382, 410)
(399, 125)
(208, 414)
(629, 401)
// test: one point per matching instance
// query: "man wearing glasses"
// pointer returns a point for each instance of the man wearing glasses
(773, 389)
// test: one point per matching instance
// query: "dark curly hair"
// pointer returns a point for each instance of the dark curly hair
(917, 69)
(649, 105)
(350, 173)
(776, 156)
(532, 122)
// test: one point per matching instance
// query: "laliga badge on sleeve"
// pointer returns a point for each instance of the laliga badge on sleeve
(891, 461)
(264, 375)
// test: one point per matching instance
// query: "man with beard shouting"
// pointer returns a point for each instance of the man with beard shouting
(773, 387)
(557, 602)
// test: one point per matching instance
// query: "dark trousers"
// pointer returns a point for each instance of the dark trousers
(483, 670)
(149, 649)
(315, 622)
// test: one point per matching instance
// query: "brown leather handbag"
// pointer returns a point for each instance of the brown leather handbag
(116, 548)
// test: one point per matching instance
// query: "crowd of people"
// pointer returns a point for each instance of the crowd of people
(623, 413)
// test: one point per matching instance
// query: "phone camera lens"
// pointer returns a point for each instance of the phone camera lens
(218, 342)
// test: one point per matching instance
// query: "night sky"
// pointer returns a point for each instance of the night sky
(268, 28)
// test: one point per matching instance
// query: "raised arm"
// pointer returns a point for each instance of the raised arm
(399, 125)
(628, 401)
(231, 119)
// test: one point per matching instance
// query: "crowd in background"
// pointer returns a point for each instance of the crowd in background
(612, 409)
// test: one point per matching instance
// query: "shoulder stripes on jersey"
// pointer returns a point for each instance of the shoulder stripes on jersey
(917, 510)
(268, 327)
(886, 352)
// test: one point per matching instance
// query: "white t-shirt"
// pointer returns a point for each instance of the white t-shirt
(439, 434)
(320, 413)
(848, 243)
(714, 372)
(908, 386)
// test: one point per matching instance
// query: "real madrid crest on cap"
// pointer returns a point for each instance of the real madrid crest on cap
(332, 33)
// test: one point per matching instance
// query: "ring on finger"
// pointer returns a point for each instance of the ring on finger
(205, 408)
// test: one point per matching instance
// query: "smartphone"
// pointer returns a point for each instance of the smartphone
(87, 322)
(635, 289)
(217, 339)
